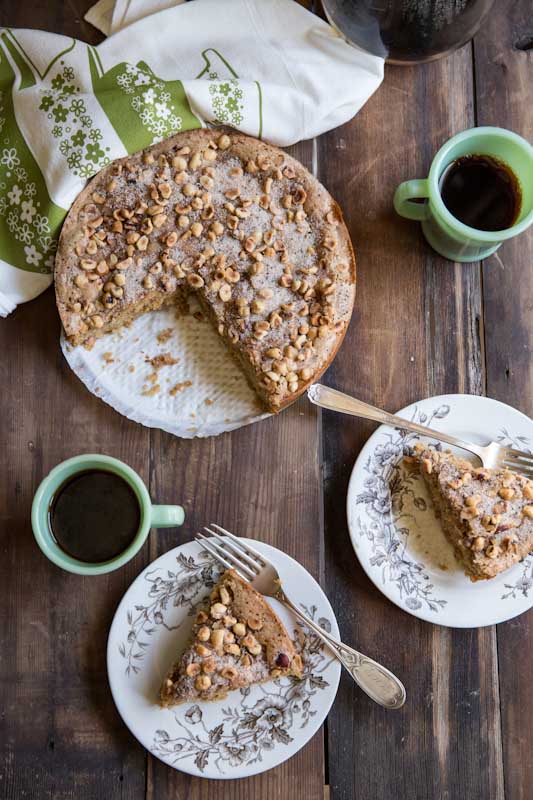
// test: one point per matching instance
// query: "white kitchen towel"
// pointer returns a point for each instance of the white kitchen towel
(266, 67)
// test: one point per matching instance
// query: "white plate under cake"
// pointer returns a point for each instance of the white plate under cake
(236, 221)
(254, 728)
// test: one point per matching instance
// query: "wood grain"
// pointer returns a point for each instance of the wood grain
(60, 735)
(254, 482)
(504, 90)
(422, 326)
(415, 333)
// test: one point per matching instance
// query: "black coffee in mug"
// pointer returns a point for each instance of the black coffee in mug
(94, 516)
(481, 192)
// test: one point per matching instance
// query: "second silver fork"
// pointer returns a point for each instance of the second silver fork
(492, 455)
(378, 682)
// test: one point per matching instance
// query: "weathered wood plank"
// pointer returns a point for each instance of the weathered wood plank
(415, 333)
(260, 481)
(60, 735)
(504, 90)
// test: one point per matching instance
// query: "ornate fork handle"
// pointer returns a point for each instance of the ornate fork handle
(338, 401)
(378, 682)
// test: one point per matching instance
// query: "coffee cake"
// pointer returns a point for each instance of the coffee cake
(237, 640)
(486, 514)
(237, 221)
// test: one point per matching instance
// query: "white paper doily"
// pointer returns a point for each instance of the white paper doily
(203, 394)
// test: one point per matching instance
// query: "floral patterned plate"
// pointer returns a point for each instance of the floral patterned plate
(252, 730)
(396, 536)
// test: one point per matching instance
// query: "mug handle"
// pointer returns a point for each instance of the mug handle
(406, 193)
(166, 516)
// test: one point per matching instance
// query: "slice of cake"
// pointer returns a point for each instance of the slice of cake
(486, 514)
(237, 640)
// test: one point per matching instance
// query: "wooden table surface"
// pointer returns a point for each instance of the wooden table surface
(422, 326)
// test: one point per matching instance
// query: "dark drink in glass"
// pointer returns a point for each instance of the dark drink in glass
(407, 31)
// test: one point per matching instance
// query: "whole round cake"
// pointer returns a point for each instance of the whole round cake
(237, 221)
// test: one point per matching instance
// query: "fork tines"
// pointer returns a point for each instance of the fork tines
(518, 461)
(231, 552)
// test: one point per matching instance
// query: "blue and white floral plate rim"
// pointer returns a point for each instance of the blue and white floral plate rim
(250, 731)
(394, 531)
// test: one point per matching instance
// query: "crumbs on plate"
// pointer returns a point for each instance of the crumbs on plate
(162, 360)
(89, 343)
(164, 335)
(151, 392)
(178, 387)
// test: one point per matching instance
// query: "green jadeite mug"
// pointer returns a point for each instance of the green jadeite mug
(151, 516)
(444, 232)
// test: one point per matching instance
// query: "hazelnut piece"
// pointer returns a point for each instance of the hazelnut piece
(202, 683)
(218, 610)
(239, 629)
(204, 633)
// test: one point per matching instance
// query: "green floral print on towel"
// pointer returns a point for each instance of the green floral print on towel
(29, 220)
(143, 108)
(226, 99)
(80, 140)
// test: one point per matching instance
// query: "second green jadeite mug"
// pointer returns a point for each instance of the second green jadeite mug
(151, 516)
(444, 232)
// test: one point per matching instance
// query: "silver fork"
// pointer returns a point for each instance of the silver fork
(377, 681)
(490, 455)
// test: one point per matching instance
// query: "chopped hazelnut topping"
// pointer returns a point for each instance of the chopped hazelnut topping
(204, 634)
(218, 610)
(202, 683)
(229, 672)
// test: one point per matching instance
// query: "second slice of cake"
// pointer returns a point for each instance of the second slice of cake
(237, 640)
(486, 514)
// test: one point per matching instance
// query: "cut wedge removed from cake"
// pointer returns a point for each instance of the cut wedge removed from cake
(237, 640)
(486, 514)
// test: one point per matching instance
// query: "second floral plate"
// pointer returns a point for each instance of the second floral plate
(252, 730)
(396, 535)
